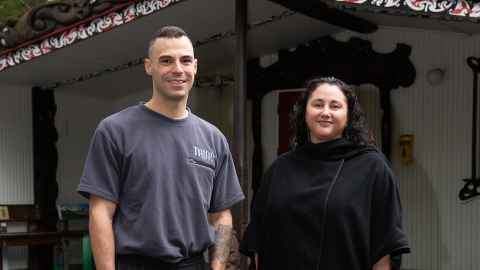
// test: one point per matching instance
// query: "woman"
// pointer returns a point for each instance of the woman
(332, 202)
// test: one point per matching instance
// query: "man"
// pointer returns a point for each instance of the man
(160, 180)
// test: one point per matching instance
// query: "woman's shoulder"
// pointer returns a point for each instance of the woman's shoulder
(286, 158)
(283, 161)
(374, 161)
(373, 155)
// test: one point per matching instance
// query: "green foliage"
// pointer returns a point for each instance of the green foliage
(10, 9)
(14, 9)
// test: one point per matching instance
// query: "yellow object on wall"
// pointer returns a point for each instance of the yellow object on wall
(406, 148)
(4, 213)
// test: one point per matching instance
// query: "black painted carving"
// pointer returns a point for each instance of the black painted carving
(45, 155)
(471, 188)
(353, 61)
(48, 17)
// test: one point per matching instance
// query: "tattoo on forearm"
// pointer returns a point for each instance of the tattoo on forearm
(221, 250)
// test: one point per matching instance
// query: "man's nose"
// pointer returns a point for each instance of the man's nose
(177, 67)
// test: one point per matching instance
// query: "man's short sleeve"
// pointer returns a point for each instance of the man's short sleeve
(226, 188)
(101, 172)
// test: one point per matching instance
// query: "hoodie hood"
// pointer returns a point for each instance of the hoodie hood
(337, 149)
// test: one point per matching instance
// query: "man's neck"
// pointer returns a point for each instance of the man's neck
(171, 109)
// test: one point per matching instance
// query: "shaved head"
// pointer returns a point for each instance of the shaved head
(169, 31)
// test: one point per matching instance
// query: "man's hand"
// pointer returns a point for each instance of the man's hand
(222, 222)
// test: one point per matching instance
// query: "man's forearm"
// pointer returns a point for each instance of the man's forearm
(103, 245)
(101, 234)
(220, 251)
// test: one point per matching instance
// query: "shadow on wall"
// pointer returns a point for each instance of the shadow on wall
(422, 222)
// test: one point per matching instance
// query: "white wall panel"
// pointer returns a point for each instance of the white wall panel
(15, 258)
(76, 120)
(132, 99)
(16, 145)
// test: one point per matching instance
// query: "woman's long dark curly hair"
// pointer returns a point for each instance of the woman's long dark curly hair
(356, 130)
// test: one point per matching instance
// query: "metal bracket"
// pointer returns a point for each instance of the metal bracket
(471, 187)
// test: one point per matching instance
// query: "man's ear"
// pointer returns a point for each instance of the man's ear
(147, 63)
(196, 66)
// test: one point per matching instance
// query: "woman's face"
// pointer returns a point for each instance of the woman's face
(326, 113)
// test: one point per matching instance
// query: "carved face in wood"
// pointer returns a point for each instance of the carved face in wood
(8, 37)
(326, 113)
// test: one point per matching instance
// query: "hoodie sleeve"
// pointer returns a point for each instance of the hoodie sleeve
(387, 235)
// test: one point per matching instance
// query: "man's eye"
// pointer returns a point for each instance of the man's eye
(187, 61)
(165, 61)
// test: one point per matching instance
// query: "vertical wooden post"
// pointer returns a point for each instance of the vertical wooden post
(239, 110)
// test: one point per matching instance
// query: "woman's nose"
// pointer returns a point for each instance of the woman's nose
(325, 113)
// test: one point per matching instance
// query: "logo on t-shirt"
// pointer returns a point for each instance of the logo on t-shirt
(204, 155)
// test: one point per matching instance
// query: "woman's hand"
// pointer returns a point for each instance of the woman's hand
(383, 263)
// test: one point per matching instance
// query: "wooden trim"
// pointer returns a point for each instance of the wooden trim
(37, 238)
(20, 213)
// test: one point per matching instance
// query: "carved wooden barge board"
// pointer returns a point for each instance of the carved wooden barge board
(43, 26)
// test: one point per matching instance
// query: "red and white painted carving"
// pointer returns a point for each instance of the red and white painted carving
(461, 8)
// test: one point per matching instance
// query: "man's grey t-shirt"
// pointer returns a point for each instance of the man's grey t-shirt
(165, 175)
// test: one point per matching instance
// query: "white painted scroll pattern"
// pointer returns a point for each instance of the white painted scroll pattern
(358, 2)
(386, 3)
(429, 5)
